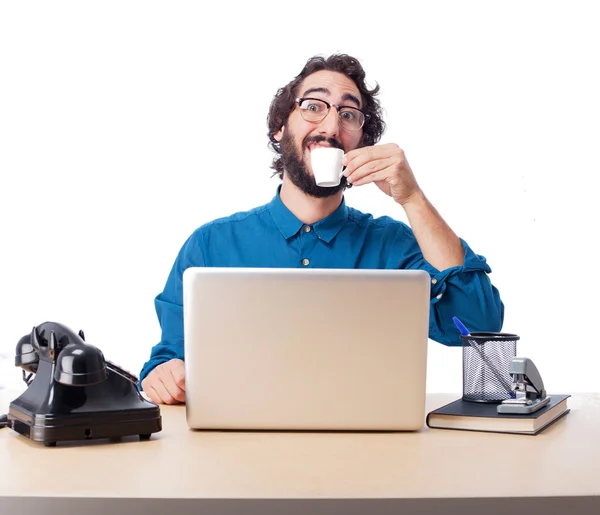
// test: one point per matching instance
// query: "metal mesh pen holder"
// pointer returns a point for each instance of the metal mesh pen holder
(486, 361)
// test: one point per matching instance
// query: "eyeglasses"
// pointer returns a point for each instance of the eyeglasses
(315, 110)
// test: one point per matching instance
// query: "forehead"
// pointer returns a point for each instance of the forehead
(336, 83)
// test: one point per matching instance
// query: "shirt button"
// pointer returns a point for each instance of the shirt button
(434, 281)
(307, 228)
(305, 262)
(439, 296)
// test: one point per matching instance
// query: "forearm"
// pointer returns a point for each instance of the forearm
(440, 246)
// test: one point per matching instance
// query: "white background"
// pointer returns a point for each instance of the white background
(125, 125)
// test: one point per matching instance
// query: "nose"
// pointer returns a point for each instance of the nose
(330, 125)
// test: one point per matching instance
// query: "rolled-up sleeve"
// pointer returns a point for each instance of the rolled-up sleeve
(463, 291)
(169, 307)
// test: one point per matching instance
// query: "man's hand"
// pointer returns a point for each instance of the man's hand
(166, 383)
(386, 166)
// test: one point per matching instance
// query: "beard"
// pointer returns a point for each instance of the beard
(295, 167)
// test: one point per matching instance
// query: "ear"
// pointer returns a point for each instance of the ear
(279, 134)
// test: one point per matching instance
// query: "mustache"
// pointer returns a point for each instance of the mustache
(319, 139)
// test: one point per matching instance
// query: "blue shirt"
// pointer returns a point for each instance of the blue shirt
(272, 236)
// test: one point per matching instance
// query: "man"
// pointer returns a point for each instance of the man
(306, 225)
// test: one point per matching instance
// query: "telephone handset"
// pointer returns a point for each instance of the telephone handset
(74, 393)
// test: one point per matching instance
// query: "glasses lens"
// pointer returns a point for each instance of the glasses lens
(351, 119)
(313, 110)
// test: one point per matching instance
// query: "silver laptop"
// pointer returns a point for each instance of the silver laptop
(305, 349)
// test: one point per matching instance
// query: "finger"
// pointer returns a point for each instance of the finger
(167, 383)
(152, 395)
(367, 169)
(178, 374)
(359, 156)
(174, 390)
(176, 393)
(162, 392)
(374, 177)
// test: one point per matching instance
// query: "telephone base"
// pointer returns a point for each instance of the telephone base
(50, 429)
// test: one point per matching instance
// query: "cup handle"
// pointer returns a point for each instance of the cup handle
(348, 185)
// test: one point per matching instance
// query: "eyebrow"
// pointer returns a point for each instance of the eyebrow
(346, 97)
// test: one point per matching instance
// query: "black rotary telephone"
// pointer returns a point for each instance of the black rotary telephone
(74, 393)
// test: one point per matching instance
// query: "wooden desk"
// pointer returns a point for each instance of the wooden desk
(431, 471)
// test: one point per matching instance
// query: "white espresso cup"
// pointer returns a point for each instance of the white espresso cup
(326, 164)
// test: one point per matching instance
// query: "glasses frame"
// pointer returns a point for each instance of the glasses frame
(299, 101)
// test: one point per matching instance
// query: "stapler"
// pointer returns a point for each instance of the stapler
(74, 393)
(528, 386)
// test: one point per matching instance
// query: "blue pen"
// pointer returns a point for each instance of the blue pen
(463, 330)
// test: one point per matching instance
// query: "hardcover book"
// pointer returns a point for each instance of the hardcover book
(476, 416)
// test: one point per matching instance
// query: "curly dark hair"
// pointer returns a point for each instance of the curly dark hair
(283, 103)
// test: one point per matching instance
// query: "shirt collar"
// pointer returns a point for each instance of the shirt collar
(328, 228)
(287, 223)
(284, 219)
